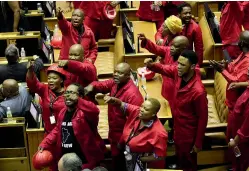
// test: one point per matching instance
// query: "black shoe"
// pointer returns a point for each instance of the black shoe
(173, 166)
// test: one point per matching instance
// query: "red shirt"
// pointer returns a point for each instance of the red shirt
(236, 72)
(45, 93)
(146, 13)
(94, 9)
(153, 138)
(193, 32)
(168, 86)
(84, 123)
(129, 93)
(231, 22)
(190, 109)
(70, 37)
(76, 4)
(83, 73)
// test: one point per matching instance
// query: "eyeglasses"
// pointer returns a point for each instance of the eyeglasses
(71, 92)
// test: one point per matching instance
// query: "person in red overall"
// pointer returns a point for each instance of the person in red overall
(143, 134)
(51, 93)
(246, 15)
(169, 56)
(238, 125)
(231, 26)
(95, 18)
(79, 70)
(235, 71)
(190, 109)
(190, 29)
(152, 11)
(75, 130)
(122, 87)
(75, 32)
(171, 28)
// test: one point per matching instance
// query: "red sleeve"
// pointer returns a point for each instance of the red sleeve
(153, 48)
(166, 70)
(135, 99)
(64, 25)
(84, 70)
(35, 86)
(237, 76)
(201, 109)
(51, 138)
(91, 112)
(93, 49)
(198, 43)
(131, 111)
(159, 33)
(160, 146)
(103, 86)
(236, 6)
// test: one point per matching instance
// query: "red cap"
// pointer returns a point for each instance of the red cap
(56, 68)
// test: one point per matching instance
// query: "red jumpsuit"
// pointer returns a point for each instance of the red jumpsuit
(231, 26)
(239, 126)
(193, 32)
(145, 13)
(129, 93)
(168, 83)
(95, 19)
(235, 72)
(246, 15)
(84, 124)
(159, 35)
(80, 72)
(48, 97)
(191, 115)
(152, 139)
(70, 36)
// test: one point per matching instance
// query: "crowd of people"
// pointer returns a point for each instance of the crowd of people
(137, 137)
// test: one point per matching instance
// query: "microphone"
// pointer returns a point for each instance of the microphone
(146, 94)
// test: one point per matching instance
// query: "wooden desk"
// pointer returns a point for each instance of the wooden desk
(51, 21)
(213, 5)
(12, 36)
(130, 14)
(153, 89)
(149, 29)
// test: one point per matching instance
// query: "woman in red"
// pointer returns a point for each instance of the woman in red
(144, 137)
(51, 94)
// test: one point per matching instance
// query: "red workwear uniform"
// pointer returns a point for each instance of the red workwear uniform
(82, 73)
(70, 36)
(166, 41)
(48, 99)
(246, 15)
(239, 125)
(168, 86)
(129, 93)
(235, 72)
(95, 18)
(145, 13)
(231, 26)
(84, 128)
(191, 115)
(76, 4)
(193, 32)
(151, 139)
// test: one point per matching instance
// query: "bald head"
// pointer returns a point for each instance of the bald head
(10, 88)
(244, 41)
(76, 52)
(77, 18)
(122, 73)
(179, 44)
(244, 36)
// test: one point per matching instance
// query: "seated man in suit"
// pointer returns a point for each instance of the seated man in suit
(15, 97)
(14, 69)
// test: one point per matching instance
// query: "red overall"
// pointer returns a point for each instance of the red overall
(151, 140)
(145, 13)
(246, 15)
(231, 26)
(84, 122)
(95, 18)
(70, 36)
(239, 125)
(191, 115)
